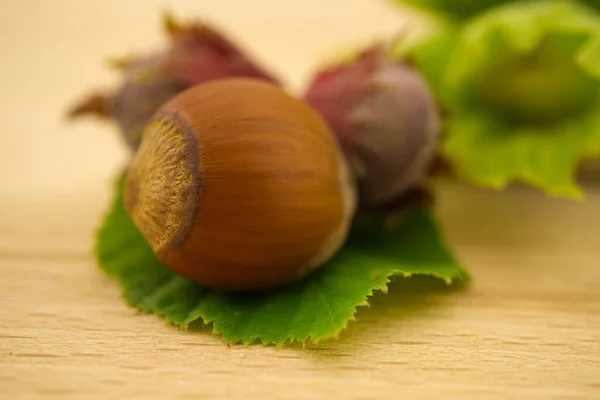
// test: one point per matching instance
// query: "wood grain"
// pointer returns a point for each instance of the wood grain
(527, 327)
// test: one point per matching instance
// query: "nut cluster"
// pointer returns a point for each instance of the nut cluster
(238, 185)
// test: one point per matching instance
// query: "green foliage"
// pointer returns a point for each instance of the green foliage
(520, 85)
(454, 9)
(318, 307)
(460, 10)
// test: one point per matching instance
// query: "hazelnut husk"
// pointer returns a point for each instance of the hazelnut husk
(238, 185)
(196, 53)
(385, 118)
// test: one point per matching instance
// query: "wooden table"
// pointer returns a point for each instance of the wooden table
(527, 327)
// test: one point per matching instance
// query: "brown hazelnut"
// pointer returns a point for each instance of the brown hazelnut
(240, 186)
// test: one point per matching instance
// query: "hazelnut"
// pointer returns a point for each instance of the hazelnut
(238, 185)
(385, 118)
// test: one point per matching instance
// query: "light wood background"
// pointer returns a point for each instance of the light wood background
(528, 327)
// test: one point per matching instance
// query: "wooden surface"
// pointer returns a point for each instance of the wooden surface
(528, 326)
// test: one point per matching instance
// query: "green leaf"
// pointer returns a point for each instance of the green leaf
(461, 10)
(521, 87)
(453, 9)
(318, 307)
(493, 155)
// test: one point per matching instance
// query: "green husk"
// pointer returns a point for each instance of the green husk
(461, 10)
(521, 87)
(452, 9)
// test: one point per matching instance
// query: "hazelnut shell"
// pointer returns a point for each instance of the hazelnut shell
(240, 186)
